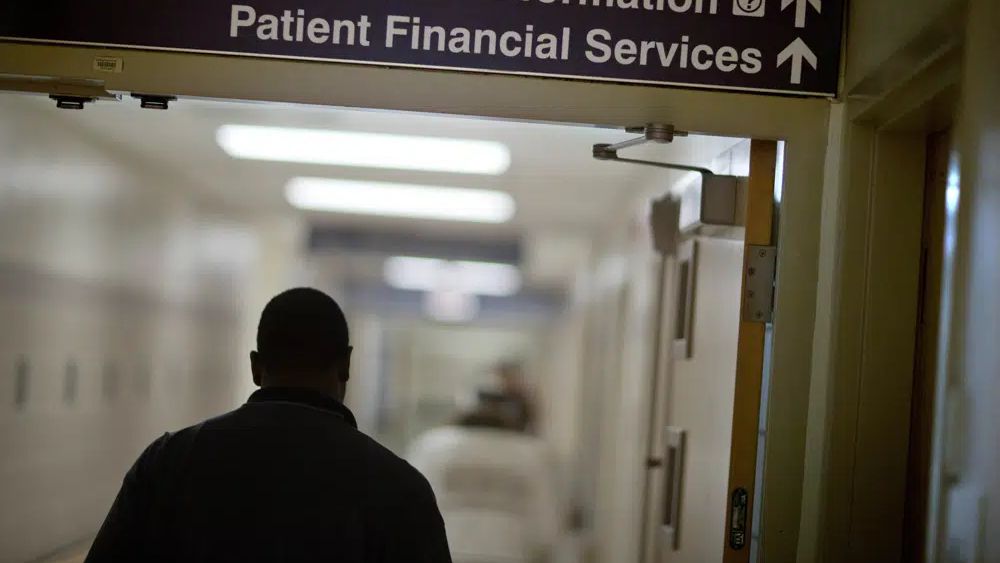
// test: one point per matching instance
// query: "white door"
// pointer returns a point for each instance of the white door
(700, 483)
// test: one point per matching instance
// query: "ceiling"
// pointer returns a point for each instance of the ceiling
(556, 183)
(564, 196)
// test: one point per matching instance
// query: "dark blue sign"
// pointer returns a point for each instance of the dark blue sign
(780, 46)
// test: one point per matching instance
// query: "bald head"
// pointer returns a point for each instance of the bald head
(302, 341)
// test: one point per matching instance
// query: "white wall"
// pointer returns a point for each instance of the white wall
(559, 390)
(117, 282)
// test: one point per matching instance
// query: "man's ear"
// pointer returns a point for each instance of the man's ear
(256, 367)
(345, 366)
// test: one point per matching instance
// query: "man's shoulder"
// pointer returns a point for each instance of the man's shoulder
(377, 456)
(170, 446)
(400, 483)
(186, 436)
(378, 460)
(383, 460)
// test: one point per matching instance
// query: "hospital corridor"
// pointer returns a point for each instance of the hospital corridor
(688, 281)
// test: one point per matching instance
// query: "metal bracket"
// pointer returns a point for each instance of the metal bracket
(758, 284)
(154, 101)
(71, 102)
(651, 133)
(86, 89)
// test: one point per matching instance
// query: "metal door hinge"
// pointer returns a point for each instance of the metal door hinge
(758, 284)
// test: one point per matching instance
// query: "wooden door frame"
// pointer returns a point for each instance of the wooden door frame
(750, 357)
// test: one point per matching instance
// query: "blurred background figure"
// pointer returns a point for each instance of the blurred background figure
(508, 405)
(494, 485)
(515, 396)
(488, 411)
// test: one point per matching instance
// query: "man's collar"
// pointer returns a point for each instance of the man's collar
(306, 397)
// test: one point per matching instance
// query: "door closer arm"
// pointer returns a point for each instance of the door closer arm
(651, 133)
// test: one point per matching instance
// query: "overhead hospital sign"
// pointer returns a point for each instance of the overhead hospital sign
(778, 46)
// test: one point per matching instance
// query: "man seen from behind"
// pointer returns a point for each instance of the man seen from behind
(285, 477)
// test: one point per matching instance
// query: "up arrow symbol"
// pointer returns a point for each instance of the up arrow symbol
(801, 6)
(798, 51)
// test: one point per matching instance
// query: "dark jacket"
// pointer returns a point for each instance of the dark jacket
(285, 477)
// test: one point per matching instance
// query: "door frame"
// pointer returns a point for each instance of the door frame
(810, 172)
(751, 357)
(934, 228)
(855, 487)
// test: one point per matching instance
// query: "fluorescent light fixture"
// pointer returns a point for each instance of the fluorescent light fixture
(367, 150)
(436, 275)
(400, 200)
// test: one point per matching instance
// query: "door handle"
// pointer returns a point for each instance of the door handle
(674, 483)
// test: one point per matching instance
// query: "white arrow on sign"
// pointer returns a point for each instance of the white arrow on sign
(798, 51)
(801, 7)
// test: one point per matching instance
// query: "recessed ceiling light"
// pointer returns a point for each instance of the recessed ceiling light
(367, 150)
(436, 275)
(400, 200)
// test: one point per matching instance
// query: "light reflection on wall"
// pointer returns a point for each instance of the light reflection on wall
(953, 192)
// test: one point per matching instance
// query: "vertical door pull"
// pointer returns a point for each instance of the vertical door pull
(673, 486)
